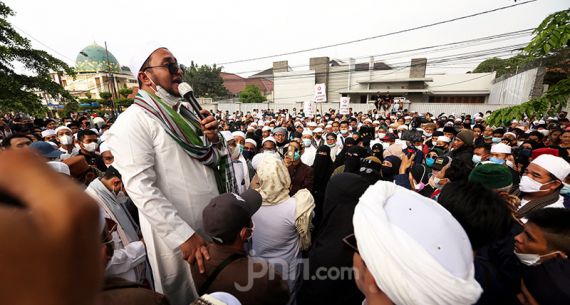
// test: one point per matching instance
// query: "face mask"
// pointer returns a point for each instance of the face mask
(381, 135)
(343, 131)
(430, 162)
(307, 142)
(565, 189)
(420, 186)
(427, 135)
(519, 143)
(419, 147)
(122, 198)
(331, 145)
(496, 140)
(436, 181)
(509, 164)
(91, 147)
(529, 185)
(532, 259)
(234, 153)
(434, 143)
(248, 154)
(296, 156)
(164, 95)
(65, 140)
(497, 160)
(476, 159)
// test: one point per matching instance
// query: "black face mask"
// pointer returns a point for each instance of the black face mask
(387, 171)
(247, 154)
(379, 155)
(440, 147)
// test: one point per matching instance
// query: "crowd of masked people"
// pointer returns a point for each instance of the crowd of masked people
(419, 208)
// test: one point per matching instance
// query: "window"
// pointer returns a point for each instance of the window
(457, 99)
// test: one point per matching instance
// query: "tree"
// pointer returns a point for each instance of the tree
(251, 94)
(125, 92)
(18, 90)
(551, 38)
(105, 95)
(501, 66)
(205, 80)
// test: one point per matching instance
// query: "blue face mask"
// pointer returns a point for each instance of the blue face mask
(565, 189)
(496, 140)
(296, 156)
(430, 162)
(497, 160)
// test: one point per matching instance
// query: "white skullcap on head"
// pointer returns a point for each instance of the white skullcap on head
(510, 133)
(221, 298)
(398, 230)
(251, 141)
(443, 139)
(271, 139)
(402, 127)
(141, 54)
(307, 132)
(238, 134)
(376, 122)
(103, 147)
(59, 167)
(312, 124)
(266, 128)
(501, 148)
(318, 130)
(227, 135)
(368, 120)
(48, 132)
(62, 128)
(554, 165)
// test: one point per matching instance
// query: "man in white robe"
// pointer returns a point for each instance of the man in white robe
(169, 187)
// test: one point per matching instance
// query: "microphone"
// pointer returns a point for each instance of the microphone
(187, 93)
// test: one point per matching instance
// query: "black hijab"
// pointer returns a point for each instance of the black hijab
(342, 194)
(341, 157)
(353, 157)
(388, 173)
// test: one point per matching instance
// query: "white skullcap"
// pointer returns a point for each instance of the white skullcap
(449, 124)
(238, 134)
(62, 128)
(402, 127)
(48, 132)
(103, 147)
(260, 122)
(312, 124)
(251, 141)
(266, 128)
(554, 165)
(501, 148)
(398, 230)
(227, 135)
(328, 126)
(307, 132)
(368, 120)
(271, 139)
(318, 130)
(59, 167)
(510, 133)
(140, 55)
(407, 117)
(443, 139)
(541, 122)
(514, 121)
(221, 298)
(376, 122)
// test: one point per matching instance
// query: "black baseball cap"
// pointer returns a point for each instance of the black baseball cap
(228, 213)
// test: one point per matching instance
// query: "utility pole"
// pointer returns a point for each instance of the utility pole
(111, 82)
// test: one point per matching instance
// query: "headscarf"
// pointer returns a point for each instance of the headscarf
(415, 250)
(380, 154)
(353, 157)
(322, 169)
(341, 157)
(389, 172)
(274, 180)
(341, 197)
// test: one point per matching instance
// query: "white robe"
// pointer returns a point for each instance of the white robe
(169, 188)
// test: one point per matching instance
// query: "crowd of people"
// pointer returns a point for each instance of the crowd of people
(279, 207)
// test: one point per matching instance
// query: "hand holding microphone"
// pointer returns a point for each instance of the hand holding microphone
(208, 122)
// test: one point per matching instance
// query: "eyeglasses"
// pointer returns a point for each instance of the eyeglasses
(172, 67)
(350, 241)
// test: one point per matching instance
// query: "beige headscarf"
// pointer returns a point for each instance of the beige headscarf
(274, 184)
(274, 180)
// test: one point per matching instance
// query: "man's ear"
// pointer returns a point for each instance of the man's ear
(145, 79)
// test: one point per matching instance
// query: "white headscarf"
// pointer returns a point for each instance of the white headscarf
(414, 248)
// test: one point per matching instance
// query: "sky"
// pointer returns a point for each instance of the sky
(220, 31)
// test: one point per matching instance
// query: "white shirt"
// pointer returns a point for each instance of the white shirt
(169, 188)
(308, 157)
(275, 238)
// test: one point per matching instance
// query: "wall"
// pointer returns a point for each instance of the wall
(514, 90)
(291, 87)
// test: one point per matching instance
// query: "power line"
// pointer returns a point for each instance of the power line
(381, 35)
(40, 42)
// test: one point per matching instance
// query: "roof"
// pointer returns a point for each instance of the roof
(268, 73)
(236, 84)
(396, 80)
(93, 58)
(374, 91)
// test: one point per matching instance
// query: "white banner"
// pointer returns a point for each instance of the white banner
(309, 108)
(320, 93)
(344, 105)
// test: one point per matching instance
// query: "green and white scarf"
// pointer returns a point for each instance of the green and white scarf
(184, 127)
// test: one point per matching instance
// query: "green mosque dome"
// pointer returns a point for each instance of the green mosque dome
(93, 58)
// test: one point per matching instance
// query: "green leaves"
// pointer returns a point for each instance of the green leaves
(251, 94)
(205, 80)
(21, 92)
(551, 35)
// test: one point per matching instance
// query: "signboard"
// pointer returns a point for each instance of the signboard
(320, 93)
(344, 105)
(309, 108)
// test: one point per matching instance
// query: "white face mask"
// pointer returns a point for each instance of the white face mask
(476, 159)
(533, 259)
(307, 142)
(234, 152)
(65, 140)
(510, 164)
(381, 135)
(122, 198)
(91, 147)
(164, 95)
(420, 148)
(529, 185)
